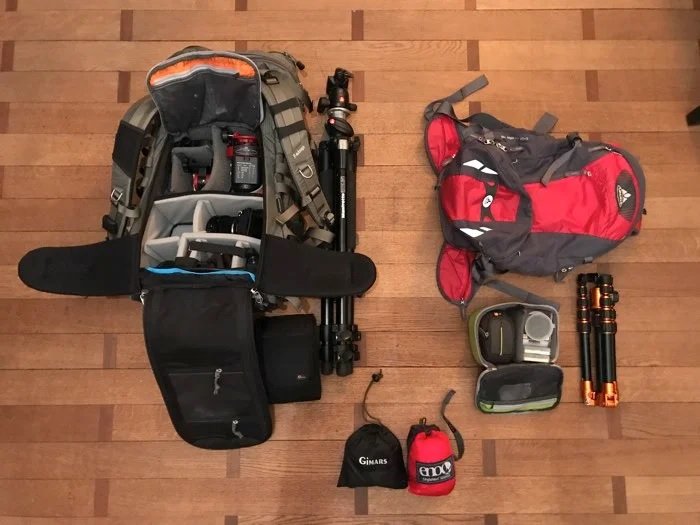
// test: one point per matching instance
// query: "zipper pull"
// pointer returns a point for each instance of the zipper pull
(300, 65)
(217, 376)
(500, 146)
(257, 298)
(234, 429)
(142, 296)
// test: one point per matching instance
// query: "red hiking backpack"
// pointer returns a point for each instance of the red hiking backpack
(521, 200)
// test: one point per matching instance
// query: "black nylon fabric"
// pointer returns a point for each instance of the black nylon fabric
(102, 269)
(373, 458)
(288, 349)
(201, 346)
(289, 268)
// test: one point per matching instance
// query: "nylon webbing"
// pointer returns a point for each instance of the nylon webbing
(545, 124)
(290, 103)
(376, 377)
(296, 127)
(519, 293)
(559, 162)
(458, 436)
(444, 105)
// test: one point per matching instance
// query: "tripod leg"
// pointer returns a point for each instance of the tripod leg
(583, 326)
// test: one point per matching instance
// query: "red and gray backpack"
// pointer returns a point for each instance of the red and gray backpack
(521, 200)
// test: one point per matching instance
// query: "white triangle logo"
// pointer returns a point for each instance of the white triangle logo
(622, 195)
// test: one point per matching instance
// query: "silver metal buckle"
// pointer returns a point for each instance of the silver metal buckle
(116, 196)
(310, 171)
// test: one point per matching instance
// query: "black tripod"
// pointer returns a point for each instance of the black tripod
(596, 313)
(337, 161)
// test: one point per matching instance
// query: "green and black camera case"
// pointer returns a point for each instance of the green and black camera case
(498, 342)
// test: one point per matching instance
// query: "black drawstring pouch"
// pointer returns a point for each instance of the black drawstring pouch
(373, 455)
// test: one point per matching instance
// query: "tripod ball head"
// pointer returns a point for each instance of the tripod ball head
(337, 94)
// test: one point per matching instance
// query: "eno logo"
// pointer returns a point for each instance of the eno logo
(367, 461)
(433, 471)
(487, 201)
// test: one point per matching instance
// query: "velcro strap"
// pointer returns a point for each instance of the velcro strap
(213, 247)
(285, 131)
(458, 436)
(290, 103)
(287, 214)
(320, 234)
(131, 213)
(282, 187)
(545, 124)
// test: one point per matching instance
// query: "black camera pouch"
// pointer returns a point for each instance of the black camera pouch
(201, 346)
(288, 349)
(497, 338)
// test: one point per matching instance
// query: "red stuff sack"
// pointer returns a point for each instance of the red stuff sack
(431, 462)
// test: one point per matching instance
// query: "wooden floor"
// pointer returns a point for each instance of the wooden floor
(84, 437)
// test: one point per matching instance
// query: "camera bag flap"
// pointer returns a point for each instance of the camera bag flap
(288, 350)
(289, 268)
(196, 88)
(200, 342)
(103, 268)
(526, 377)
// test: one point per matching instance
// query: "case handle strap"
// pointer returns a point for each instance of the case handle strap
(453, 429)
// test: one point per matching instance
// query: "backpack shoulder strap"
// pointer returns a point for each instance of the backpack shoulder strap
(445, 106)
(286, 108)
(136, 129)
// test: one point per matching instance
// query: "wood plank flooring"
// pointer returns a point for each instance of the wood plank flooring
(84, 437)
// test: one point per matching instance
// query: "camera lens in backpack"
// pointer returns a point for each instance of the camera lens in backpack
(242, 151)
(221, 224)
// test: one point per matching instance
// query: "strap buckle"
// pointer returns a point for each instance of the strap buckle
(116, 196)
(269, 78)
(306, 169)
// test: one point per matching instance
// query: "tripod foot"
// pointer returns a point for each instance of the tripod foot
(609, 396)
(587, 393)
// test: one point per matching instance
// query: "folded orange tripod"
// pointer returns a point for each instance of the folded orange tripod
(595, 312)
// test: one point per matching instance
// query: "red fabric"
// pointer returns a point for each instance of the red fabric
(431, 457)
(454, 273)
(442, 140)
(462, 198)
(585, 204)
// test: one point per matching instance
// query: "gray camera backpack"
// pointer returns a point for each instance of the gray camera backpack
(203, 285)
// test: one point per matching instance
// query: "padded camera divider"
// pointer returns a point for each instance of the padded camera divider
(288, 350)
(104, 268)
(199, 333)
(288, 268)
(515, 387)
(168, 213)
(181, 180)
(226, 239)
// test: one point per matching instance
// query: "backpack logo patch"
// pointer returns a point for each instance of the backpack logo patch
(622, 196)
(439, 472)
(487, 201)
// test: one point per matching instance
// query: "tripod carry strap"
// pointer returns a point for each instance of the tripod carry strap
(286, 109)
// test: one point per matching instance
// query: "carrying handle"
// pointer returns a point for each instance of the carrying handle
(445, 106)
(453, 429)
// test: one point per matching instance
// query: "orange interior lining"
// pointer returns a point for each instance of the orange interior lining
(234, 65)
